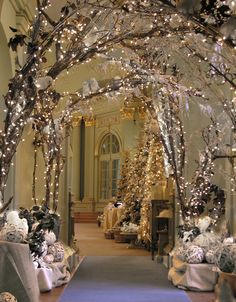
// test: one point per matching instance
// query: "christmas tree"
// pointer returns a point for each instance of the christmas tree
(154, 172)
(123, 182)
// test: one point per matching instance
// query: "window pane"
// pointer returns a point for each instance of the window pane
(109, 168)
(115, 145)
(115, 175)
(116, 168)
(105, 146)
(115, 164)
(104, 179)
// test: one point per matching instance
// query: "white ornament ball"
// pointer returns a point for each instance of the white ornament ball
(12, 234)
(207, 241)
(57, 250)
(210, 256)
(229, 240)
(7, 297)
(14, 219)
(50, 237)
(194, 254)
(49, 258)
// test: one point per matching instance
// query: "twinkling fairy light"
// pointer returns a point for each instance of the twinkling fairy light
(87, 30)
(136, 182)
(202, 187)
(75, 43)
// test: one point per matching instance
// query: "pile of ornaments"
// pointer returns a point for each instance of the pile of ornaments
(129, 227)
(201, 245)
(39, 228)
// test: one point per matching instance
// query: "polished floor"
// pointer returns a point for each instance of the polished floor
(91, 242)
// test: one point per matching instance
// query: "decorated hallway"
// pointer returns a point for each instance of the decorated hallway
(121, 113)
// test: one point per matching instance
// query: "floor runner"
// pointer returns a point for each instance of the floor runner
(121, 279)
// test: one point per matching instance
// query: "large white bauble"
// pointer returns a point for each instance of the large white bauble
(194, 254)
(210, 256)
(14, 219)
(49, 258)
(12, 234)
(57, 250)
(207, 241)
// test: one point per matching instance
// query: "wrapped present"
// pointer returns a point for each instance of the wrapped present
(196, 277)
(57, 250)
(45, 278)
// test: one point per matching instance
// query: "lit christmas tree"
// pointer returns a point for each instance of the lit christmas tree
(154, 173)
(144, 170)
(134, 195)
(123, 182)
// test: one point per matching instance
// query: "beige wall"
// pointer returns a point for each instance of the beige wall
(6, 71)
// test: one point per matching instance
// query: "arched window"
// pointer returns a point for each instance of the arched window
(109, 166)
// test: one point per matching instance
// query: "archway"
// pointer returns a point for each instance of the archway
(160, 78)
